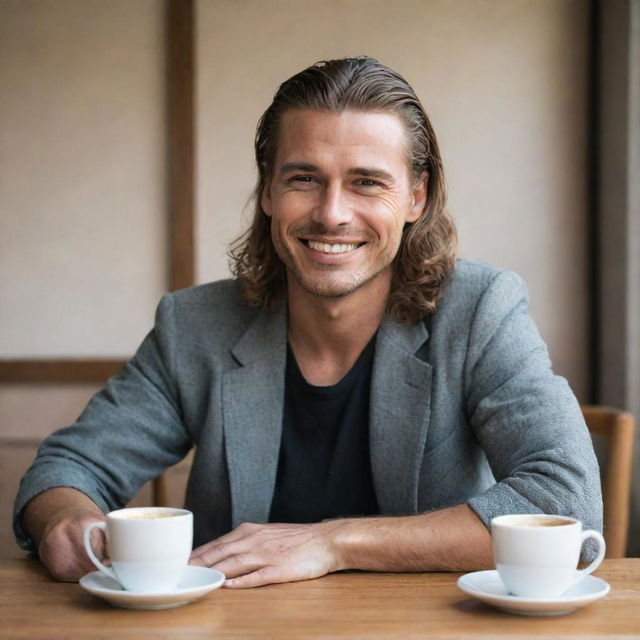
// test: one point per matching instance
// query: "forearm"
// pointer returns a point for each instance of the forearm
(452, 539)
(251, 555)
(51, 506)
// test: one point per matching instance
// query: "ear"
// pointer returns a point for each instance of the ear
(265, 198)
(419, 198)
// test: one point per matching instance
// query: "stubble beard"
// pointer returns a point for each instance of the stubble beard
(327, 287)
(316, 286)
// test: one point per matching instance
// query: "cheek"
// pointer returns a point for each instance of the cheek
(394, 208)
(282, 234)
(278, 237)
(277, 230)
(390, 222)
(292, 206)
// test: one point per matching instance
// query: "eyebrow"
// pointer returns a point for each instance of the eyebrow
(372, 173)
(297, 166)
(367, 172)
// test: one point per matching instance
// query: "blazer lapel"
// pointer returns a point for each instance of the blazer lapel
(253, 398)
(399, 415)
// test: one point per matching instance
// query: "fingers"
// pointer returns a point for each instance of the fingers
(259, 578)
(230, 555)
(213, 553)
(62, 551)
(239, 565)
(239, 533)
(217, 550)
(295, 571)
(254, 555)
(231, 561)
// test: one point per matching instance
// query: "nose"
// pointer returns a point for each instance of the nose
(333, 207)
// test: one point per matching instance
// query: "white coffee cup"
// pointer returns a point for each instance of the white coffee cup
(537, 555)
(149, 547)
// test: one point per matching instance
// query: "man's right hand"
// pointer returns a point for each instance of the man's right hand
(56, 520)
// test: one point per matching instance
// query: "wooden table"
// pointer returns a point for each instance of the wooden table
(345, 605)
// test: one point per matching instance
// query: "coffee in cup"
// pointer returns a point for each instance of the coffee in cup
(537, 555)
(149, 547)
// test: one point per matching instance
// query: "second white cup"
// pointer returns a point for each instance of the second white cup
(149, 547)
(537, 555)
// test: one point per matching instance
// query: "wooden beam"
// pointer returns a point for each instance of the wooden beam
(181, 141)
(59, 370)
(180, 159)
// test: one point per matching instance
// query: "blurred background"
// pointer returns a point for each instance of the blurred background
(126, 131)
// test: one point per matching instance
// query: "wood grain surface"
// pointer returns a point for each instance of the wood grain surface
(345, 605)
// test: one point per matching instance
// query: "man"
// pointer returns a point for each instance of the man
(357, 399)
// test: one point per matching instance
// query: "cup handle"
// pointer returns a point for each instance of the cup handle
(602, 547)
(92, 556)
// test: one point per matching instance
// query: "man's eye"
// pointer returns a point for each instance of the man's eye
(367, 182)
(304, 179)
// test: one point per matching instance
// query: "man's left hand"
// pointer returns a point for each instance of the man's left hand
(257, 554)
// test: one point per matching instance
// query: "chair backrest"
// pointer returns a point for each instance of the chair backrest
(159, 491)
(168, 489)
(618, 429)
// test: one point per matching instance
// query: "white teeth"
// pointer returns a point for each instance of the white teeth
(325, 247)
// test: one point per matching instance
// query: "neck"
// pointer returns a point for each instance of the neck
(328, 334)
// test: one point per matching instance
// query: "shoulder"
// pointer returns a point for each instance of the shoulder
(221, 295)
(216, 305)
(478, 294)
(476, 277)
(472, 282)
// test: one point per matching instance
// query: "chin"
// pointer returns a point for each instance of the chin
(331, 293)
(329, 289)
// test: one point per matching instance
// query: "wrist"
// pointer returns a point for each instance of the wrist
(348, 538)
(53, 506)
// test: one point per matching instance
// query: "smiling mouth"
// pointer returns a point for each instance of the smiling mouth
(338, 247)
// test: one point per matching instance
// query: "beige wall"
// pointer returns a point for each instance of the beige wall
(82, 205)
(505, 84)
(82, 200)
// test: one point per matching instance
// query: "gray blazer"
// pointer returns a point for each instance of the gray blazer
(464, 408)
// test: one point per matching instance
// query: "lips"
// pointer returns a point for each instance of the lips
(338, 247)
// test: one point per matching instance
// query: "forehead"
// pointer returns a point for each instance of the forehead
(350, 136)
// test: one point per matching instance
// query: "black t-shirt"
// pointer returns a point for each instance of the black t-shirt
(324, 470)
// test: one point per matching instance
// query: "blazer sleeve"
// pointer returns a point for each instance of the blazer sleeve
(129, 433)
(526, 419)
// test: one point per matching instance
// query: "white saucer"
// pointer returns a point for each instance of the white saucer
(195, 583)
(487, 587)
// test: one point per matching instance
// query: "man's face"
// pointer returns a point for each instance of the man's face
(340, 194)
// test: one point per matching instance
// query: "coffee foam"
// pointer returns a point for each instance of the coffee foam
(540, 522)
(145, 515)
(148, 516)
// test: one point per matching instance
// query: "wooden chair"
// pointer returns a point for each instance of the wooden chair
(617, 427)
(159, 491)
(167, 490)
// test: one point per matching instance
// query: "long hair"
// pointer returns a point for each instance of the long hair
(426, 256)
